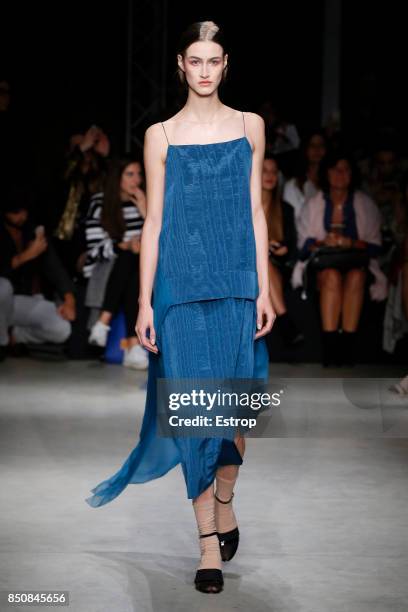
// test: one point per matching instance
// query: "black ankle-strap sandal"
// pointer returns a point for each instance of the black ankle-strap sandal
(228, 540)
(209, 580)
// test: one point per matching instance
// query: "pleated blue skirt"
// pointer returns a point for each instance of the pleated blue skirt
(202, 339)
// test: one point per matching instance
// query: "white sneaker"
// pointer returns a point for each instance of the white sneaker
(136, 357)
(99, 334)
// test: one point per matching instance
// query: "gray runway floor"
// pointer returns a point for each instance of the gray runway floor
(322, 501)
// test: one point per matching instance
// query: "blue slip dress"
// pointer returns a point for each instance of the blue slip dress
(204, 305)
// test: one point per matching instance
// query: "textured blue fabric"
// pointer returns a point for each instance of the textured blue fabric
(204, 304)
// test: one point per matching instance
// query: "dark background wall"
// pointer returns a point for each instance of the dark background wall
(67, 65)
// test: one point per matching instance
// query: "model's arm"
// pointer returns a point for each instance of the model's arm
(265, 312)
(154, 160)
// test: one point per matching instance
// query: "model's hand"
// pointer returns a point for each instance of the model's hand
(143, 323)
(265, 315)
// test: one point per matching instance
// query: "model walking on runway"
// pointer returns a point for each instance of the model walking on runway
(204, 265)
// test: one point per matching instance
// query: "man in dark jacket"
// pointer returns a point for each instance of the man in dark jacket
(27, 262)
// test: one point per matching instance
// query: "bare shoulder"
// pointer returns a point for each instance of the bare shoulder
(155, 143)
(255, 130)
(154, 132)
(254, 121)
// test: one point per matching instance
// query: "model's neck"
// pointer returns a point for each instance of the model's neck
(202, 109)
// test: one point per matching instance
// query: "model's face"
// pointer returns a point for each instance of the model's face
(316, 149)
(340, 175)
(203, 64)
(270, 175)
(131, 178)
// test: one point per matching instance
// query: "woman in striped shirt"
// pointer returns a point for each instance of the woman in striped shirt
(113, 230)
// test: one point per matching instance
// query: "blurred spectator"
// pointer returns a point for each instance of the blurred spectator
(402, 386)
(83, 176)
(341, 216)
(382, 176)
(306, 182)
(27, 260)
(282, 138)
(113, 229)
(282, 246)
(396, 313)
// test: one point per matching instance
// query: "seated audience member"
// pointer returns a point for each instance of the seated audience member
(402, 386)
(83, 176)
(396, 312)
(382, 175)
(27, 262)
(341, 216)
(281, 136)
(113, 230)
(305, 184)
(282, 246)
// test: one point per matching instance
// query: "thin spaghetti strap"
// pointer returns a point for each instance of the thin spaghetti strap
(244, 122)
(165, 133)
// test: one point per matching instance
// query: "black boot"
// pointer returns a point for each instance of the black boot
(290, 332)
(348, 348)
(331, 348)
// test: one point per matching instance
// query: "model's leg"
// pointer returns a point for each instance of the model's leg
(226, 477)
(204, 509)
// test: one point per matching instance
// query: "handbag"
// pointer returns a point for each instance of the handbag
(340, 258)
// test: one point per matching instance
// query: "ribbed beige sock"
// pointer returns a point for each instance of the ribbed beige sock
(209, 547)
(225, 518)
